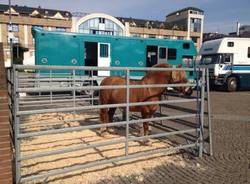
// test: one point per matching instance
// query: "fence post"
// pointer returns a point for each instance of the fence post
(202, 113)
(50, 84)
(5, 128)
(16, 127)
(127, 111)
(209, 114)
(74, 90)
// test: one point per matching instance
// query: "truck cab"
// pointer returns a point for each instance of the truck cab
(228, 60)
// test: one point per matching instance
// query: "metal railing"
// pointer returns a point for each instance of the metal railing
(43, 90)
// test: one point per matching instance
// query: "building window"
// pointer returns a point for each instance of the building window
(195, 25)
(41, 27)
(172, 54)
(13, 28)
(248, 53)
(152, 36)
(135, 35)
(92, 26)
(102, 20)
(104, 49)
(62, 29)
(194, 39)
(166, 37)
(162, 53)
(14, 40)
(230, 44)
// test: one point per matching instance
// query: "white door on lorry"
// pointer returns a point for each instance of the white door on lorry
(104, 58)
(162, 54)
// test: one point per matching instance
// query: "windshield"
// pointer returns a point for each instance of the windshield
(210, 59)
(216, 59)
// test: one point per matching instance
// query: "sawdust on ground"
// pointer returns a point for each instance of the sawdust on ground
(51, 142)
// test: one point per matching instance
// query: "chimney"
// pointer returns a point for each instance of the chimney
(238, 29)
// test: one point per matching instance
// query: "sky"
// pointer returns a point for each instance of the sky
(220, 15)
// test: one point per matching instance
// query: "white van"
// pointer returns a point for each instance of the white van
(228, 60)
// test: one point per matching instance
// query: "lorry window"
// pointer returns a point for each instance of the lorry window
(186, 45)
(227, 58)
(230, 44)
(162, 53)
(172, 54)
(210, 59)
(104, 50)
(248, 53)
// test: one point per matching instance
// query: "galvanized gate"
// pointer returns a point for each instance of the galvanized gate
(39, 90)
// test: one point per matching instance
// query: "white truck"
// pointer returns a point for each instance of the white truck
(228, 60)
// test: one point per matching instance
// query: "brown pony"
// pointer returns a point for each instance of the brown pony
(116, 96)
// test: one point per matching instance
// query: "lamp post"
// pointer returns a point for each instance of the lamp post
(10, 35)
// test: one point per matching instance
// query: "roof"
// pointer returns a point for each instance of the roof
(28, 10)
(142, 22)
(185, 9)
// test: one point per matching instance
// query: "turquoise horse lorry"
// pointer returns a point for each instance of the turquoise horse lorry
(77, 49)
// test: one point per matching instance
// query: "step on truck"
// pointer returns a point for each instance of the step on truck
(228, 60)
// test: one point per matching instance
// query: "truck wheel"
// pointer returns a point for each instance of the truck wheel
(232, 84)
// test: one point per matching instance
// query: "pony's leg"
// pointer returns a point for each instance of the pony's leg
(145, 115)
(111, 113)
(104, 119)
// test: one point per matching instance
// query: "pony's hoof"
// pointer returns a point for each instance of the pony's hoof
(111, 131)
(103, 132)
(146, 143)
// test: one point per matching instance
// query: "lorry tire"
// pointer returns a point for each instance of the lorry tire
(232, 84)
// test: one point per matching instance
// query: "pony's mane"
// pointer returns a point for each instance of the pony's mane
(160, 65)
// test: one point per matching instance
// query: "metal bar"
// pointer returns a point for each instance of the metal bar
(103, 162)
(112, 142)
(197, 100)
(71, 149)
(38, 83)
(127, 112)
(74, 90)
(41, 123)
(202, 113)
(70, 129)
(16, 128)
(50, 82)
(54, 101)
(92, 92)
(102, 106)
(162, 134)
(46, 67)
(68, 88)
(209, 114)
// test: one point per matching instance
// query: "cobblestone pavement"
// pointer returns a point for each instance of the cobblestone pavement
(231, 160)
(230, 163)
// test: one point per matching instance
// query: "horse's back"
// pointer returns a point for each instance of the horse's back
(115, 80)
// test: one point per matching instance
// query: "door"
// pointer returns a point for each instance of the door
(152, 55)
(104, 58)
(162, 56)
(90, 55)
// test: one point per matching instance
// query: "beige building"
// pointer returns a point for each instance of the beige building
(191, 21)
(182, 24)
(22, 19)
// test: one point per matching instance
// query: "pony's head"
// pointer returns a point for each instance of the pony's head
(179, 76)
(172, 77)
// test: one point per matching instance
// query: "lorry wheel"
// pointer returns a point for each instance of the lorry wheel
(232, 84)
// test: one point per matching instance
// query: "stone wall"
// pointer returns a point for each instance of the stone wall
(5, 144)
